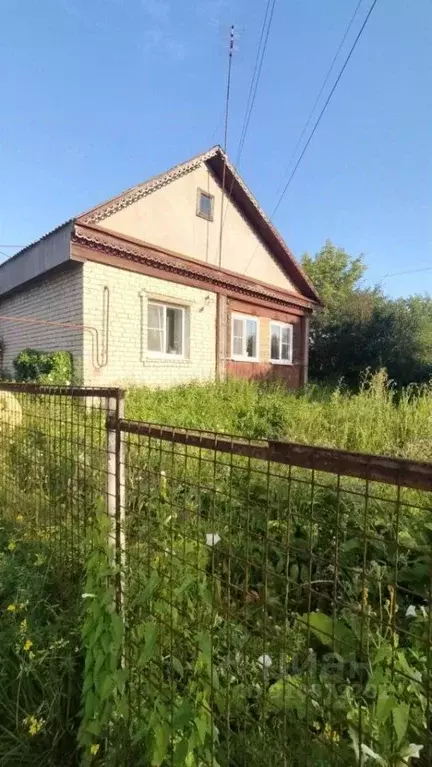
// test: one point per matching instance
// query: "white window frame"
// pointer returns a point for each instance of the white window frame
(244, 357)
(167, 355)
(291, 332)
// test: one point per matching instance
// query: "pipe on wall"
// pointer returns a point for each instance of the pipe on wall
(97, 362)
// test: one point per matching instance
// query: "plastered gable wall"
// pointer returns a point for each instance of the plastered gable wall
(128, 360)
(167, 218)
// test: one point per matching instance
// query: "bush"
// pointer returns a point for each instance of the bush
(44, 367)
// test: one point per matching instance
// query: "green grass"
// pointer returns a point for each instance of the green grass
(376, 420)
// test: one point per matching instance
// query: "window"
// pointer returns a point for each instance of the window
(165, 330)
(205, 204)
(244, 344)
(281, 337)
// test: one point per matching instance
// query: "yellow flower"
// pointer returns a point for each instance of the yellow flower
(33, 724)
(94, 749)
(331, 735)
(20, 518)
(11, 608)
(11, 545)
(23, 626)
(27, 645)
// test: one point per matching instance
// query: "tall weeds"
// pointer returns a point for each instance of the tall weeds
(378, 419)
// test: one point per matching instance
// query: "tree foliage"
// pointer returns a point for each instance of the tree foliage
(361, 328)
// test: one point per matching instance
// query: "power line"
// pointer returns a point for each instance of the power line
(321, 114)
(253, 88)
(317, 121)
(321, 91)
(256, 75)
(406, 271)
(11, 246)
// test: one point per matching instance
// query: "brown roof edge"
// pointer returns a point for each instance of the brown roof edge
(95, 237)
(104, 209)
(243, 197)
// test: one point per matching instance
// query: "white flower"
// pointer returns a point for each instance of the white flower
(411, 612)
(88, 596)
(365, 750)
(410, 752)
(368, 753)
(212, 539)
(265, 661)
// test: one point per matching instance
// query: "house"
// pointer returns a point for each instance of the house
(181, 278)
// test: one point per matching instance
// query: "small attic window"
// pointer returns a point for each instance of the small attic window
(205, 205)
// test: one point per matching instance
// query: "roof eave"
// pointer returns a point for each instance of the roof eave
(241, 195)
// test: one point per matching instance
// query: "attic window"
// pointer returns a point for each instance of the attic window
(205, 205)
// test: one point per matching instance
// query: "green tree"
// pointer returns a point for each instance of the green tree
(361, 328)
(334, 273)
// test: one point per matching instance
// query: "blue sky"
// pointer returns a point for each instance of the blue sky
(97, 96)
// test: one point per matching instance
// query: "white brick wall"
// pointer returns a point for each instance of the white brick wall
(128, 361)
(57, 298)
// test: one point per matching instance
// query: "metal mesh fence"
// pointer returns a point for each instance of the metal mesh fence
(276, 613)
(276, 599)
(53, 454)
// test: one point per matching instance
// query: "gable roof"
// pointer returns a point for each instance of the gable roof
(225, 173)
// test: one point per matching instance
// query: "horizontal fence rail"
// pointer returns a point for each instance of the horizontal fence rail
(395, 471)
(61, 391)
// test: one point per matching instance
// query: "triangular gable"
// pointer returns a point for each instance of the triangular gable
(158, 212)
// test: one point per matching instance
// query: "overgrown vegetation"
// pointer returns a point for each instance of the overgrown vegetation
(378, 419)
(275, 618)
(40, 655)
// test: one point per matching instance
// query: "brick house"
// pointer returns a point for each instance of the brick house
(150, 288)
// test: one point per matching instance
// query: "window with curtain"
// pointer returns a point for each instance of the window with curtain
(281, 336)
(244, 334)
(166, 329)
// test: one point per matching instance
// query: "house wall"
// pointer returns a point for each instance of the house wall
(293, 375)
(167, 218)
(57, 298)
(127, 360)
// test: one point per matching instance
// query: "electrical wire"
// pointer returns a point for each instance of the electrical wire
(253, 88)
(321, 91)
(322, 112)
(227, 104)
(406, 271)
(318, 120)
(256, 75)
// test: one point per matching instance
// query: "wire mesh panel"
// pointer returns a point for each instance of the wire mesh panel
(277, 603)
(53, 463)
